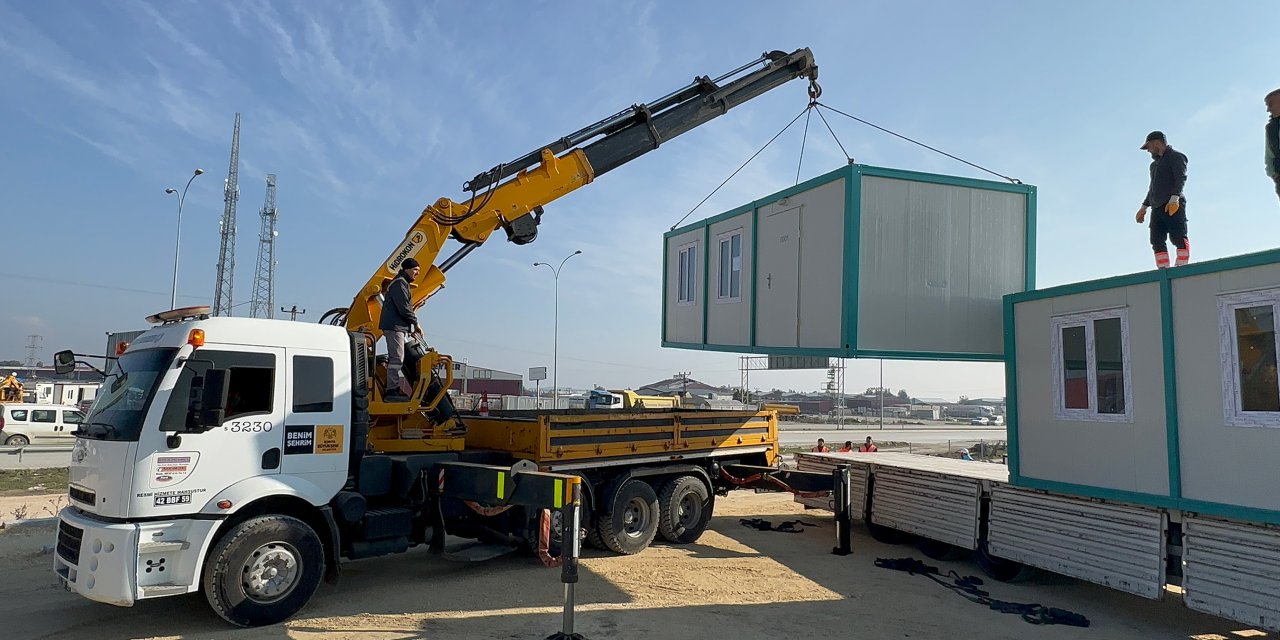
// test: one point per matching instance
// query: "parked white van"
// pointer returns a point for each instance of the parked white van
(22, 424)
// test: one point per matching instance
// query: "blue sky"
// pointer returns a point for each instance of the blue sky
(367, 111)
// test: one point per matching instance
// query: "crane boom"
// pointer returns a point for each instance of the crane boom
(510, 196)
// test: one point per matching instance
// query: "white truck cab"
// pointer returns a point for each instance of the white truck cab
(154, 474)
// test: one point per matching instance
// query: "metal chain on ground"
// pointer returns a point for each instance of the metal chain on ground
(916, 142)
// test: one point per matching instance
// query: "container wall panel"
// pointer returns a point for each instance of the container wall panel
(935, 263)
(1115, 545)
(1232, 570)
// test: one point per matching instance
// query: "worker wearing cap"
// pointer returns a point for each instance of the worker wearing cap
(1273, 138)
(1169, 220)
(397, 322)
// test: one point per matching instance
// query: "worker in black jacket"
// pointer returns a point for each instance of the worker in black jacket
(1169, 220)
(397, 321)
(1273, 138)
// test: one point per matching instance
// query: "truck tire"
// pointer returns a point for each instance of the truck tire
(1000, 569)
(686, 507)
(633, 519)
(17, 440)
(263, 570)
(937, 550)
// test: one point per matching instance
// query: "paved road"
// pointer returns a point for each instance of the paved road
(857, 433)
(41, 460)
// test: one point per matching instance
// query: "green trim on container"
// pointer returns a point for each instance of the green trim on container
(666, 267)
(1029, 266)
(755, 254)
(1250, 514)
(889, 354)
(706, 278)
(770, 199)
(852, 255)
(956, 181)
(1086, 491)
(1113, 282)
(706, 222)
(1257, 259)
(1170, 388)
(1011, 386)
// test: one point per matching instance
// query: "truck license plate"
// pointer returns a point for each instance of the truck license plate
(164, 501)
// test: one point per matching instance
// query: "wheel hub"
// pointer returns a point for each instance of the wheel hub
(270, 572)
(635, 518)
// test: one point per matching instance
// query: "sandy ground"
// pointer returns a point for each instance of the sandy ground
(735, 583)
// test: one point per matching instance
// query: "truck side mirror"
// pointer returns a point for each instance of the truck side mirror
(64, 362)
(209, 400)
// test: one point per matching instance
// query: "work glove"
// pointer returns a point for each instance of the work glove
(1175, 203)
(1142, 214)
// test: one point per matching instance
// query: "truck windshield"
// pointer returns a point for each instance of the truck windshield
(121, 405)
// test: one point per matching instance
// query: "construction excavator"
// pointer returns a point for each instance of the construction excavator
(11, 389)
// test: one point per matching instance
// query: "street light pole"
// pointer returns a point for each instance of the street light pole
(177, 243)
(555, 332)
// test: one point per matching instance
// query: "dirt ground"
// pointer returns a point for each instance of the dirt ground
(735, 583)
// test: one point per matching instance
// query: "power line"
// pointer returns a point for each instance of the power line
(90, 285)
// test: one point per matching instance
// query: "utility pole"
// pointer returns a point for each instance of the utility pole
(227, 249)
(294, 312)
(683, 376)
(264, 276)
(33, 347)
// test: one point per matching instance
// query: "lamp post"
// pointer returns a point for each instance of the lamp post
(173, 294)
(555, 332)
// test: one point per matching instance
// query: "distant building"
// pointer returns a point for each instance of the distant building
(677, 386)
(476, 380)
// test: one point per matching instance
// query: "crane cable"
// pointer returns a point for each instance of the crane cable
(916, 142)
(744, 165)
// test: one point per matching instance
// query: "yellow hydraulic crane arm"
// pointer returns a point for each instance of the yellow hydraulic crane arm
(515, 206)
(511, 195)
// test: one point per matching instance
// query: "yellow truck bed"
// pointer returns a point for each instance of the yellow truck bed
(559, 438)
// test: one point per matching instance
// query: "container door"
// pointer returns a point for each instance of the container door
(778, 280)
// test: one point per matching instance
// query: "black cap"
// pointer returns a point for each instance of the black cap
(1154, 135)
(408, 263)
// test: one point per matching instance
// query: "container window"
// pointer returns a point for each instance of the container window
(687, 285)
(1250, 390)
(1091, 358)
(312, 384)
(1108, 349)
(730, 263)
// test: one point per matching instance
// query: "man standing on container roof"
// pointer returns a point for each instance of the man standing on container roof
(1169, 220)
(1273, 138)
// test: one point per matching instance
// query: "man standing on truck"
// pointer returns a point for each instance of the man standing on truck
(1168, 176)
(397, 322)
(1273, 138)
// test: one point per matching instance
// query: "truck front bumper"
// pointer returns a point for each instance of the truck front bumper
(121, 563)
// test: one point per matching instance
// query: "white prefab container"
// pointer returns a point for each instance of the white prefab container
(1155, 393)
(861, 262)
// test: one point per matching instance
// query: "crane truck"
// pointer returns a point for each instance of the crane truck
(246, 458)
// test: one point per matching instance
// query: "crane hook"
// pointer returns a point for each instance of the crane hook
(815, 91)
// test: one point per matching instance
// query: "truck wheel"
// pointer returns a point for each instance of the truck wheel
(885, 535)
(633, 521)
(1000, 569)
(17, 441)
(263, 570)
(686, 509)
(938, 550)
